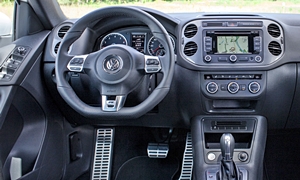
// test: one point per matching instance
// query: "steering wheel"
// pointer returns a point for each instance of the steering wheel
(115, 70)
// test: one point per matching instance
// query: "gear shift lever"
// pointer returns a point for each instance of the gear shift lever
(229, 171)
(227, 146)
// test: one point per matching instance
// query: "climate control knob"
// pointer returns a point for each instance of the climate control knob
(233, 87)
(212, 87)
(233, 58)
(254, 87)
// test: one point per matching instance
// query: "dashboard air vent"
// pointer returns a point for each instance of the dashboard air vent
(190, 48)
(274, 30)
(56, 47)
(274, 48)
(62, 31)
(190, 30)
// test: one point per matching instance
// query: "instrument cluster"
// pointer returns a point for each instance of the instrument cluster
(140, 39)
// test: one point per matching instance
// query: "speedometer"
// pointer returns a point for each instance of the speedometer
(113, 38)
(155, 48)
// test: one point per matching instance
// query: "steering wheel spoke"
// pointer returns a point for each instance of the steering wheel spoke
(152, 64)
(112, 103)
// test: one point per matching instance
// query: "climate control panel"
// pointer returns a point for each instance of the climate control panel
(233, 85)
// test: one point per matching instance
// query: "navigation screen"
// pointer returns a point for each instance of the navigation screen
(232, 44)
(138, 42)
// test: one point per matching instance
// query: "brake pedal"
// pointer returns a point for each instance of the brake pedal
(103, 154)
(187, 162)
(157, 150)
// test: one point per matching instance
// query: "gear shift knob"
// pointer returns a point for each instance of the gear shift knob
(227, 146)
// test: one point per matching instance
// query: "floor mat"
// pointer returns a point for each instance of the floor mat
(282, 157)
(146, 168)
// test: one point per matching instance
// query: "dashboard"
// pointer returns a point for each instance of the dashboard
(225, 63)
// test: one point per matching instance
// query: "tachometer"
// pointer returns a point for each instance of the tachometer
(155, 48)
(113, 38)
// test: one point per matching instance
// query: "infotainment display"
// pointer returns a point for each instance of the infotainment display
(232, 44)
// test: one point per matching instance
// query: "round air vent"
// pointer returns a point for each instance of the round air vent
(190, 48)
(63, 30)
(274, 30)
(190, 30)
(56, 47)
(274, 48)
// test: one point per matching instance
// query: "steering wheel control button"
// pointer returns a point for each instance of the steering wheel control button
(254, 87)
(212, 87)
(112, 64)
(207, 58)
(233, 87)
(76, 63)
(152, 64)
(258, 59)
(233, 58)
(211, 156)
(243, 156)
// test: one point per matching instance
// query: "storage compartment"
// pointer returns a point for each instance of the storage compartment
(242, 140)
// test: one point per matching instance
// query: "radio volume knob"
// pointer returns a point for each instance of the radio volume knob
(207, 58)
(233, 58)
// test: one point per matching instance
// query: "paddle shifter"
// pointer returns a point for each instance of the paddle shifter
(229, 170)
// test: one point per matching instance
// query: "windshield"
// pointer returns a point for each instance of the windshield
(75, 8)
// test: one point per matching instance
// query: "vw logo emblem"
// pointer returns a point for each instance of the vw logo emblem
(112, 64)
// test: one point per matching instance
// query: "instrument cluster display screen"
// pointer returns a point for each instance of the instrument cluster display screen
(232, 44)
(138, 41)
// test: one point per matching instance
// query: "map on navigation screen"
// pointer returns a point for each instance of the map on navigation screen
(232, 44)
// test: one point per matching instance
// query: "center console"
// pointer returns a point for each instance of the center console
(232, 56)
(250, 134)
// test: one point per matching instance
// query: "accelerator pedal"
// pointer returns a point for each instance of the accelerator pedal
(157, 150)
(103, 154)
(187, 162)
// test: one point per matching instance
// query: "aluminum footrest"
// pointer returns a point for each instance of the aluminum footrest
(187, 162)
(103, 154)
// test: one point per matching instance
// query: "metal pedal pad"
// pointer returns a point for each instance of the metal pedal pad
(103, 154)
(187, 162)
(157, 150)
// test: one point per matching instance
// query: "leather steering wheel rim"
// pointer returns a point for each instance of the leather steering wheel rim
(62, 59)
